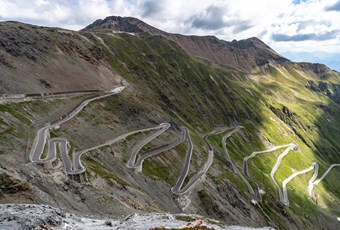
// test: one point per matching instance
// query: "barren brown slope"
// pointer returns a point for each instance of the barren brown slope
(244, 54)
(38, 59)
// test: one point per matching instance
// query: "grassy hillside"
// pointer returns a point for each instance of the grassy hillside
(276, 105)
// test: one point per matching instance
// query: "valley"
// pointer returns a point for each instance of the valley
(157, 122)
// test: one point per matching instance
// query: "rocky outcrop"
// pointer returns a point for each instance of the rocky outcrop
(319, 69)
(11, 185)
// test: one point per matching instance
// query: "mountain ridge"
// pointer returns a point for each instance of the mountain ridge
(235, 53)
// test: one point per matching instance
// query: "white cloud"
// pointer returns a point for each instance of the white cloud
(93, 9)
(41, 2)
(306, 26)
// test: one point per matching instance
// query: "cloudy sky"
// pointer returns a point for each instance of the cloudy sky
(302, 30)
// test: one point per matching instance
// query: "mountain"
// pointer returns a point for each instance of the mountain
(164, 122)
(244, 54)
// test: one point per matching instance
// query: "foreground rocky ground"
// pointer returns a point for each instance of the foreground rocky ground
(46, 217)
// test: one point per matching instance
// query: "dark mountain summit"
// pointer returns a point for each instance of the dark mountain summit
(123, 24)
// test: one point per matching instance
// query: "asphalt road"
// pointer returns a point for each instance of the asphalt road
(79, 168)
(138, 165)
(285, 199)
(214, 132)
(39, 145)
(63, 148)
(235, 169)
(276, 166)
(224, 139)
(194, 179)
(177, 189)
(143, 142)
(43, 136)
(132, 163)
(186, 166)
(315, 182)
(258, 196)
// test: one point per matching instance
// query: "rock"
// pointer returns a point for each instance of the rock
(108, 223)
(53, 221)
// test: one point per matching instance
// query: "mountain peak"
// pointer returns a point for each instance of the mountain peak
(123, 24)
(244, 54)
(254, 44)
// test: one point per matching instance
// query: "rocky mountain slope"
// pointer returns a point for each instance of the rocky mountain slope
(201, 83)
(245, 54)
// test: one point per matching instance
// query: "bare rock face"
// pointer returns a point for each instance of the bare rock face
(14, 190)
(10, 185)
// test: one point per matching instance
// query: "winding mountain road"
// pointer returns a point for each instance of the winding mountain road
(258, 196)
(139, 163)
(74, 166)
(185, 169)
(177, 189)
(143, 142)
(43, 136)
(235, 169)
(315, 182)
(79, 168)
(224, 144)
(290, 147)
(285, 199)
(63, 148)
(214, 132)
